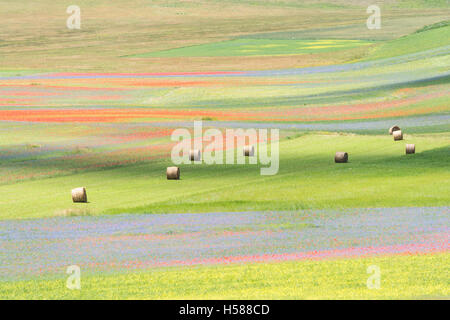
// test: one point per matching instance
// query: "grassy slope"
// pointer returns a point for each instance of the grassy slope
(402, 277)
(379, 174)
(415, 42)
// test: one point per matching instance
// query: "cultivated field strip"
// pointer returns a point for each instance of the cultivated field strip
(45, 247)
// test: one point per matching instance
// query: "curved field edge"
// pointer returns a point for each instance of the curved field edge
(402, 277)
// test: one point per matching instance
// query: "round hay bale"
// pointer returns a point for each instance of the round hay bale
(249, 151)
(173, 173)
(394, 128)
(398, 135)
(341, 157)
(410, 148)
(195, 155)
(79, 195)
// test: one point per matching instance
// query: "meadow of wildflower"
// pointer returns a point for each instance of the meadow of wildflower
(96, 107)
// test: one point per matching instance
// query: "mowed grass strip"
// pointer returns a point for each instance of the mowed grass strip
(401, 277)
(378, 174)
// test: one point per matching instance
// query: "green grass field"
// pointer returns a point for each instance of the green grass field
(378, 174)
(332, 279)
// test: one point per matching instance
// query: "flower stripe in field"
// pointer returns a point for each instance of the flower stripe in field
(87, 148)
(408, 249)
(123, 242)
(338, 112)
(28, 93)
(148, 74)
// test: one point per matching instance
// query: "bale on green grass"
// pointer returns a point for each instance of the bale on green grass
(195, 155)
(341, 157)
(393, 128)
(398, 135)
(249, 151)
(410, 148)
(79, 195)
(173, 173)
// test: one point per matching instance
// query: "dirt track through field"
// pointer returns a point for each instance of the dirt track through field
(45, 247)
